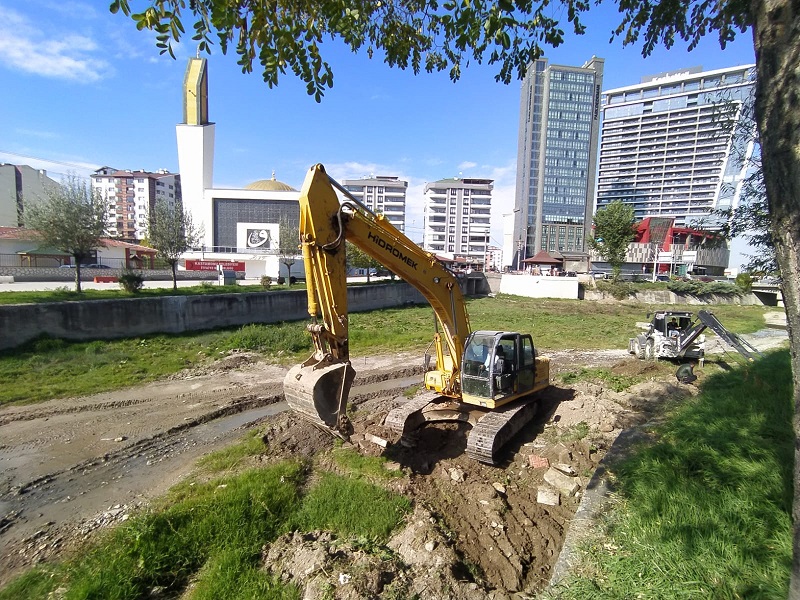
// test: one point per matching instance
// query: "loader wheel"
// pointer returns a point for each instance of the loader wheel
(639, 351)
(650, 350)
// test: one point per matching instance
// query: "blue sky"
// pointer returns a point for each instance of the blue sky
(82, 88)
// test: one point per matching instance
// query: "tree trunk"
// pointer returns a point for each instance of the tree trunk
(174, 276)
(77, 276)
(776, 34)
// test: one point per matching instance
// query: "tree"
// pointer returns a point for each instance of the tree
(288, 245)
(359, 259)
(444, 35)
(70, 218)
(751, 218)
(613, 231)
(172, 233)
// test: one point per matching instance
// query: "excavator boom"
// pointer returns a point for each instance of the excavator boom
(318, 388)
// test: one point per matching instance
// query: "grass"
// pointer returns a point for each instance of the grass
(52, 368)
(369, 466)
(705, 509)
(616, 382)
(211, 535)
(67, 293)
(228, 458)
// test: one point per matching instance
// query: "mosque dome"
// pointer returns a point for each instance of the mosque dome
(270, 185)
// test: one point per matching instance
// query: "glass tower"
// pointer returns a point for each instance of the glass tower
(674, 146)
(556, 157)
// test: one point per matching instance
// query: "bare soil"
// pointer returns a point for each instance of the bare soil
(70, 467)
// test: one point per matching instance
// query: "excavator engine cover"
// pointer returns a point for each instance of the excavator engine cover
(319, 392)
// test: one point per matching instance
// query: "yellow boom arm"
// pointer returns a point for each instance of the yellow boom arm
(325, 225)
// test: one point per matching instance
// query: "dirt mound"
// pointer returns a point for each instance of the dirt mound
(419, 561)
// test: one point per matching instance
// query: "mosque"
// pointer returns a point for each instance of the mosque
(240, 226)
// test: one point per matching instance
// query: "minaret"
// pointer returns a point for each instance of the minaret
(196, 148)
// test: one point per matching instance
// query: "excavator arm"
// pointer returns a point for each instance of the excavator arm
(319, 387)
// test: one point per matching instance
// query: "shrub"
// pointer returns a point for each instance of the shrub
(281, 280)
(619, 290)
(131, 281)
(700, 288)
(266, 281)
(744, 281)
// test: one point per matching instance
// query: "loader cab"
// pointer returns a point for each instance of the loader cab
(498, 367)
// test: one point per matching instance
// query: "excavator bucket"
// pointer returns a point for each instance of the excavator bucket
(319, 392)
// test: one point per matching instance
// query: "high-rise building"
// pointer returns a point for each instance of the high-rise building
(456, 217)
(556, 157)
(20, 184)
(132, 195)
(383, 194)
(670, 145)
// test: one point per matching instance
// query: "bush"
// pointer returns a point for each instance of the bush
(281, 280)
(700, 288)
(266, 281)
(619, 290)
(744, 281)
(131, 281)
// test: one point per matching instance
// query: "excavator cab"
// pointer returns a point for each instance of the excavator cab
(498, 367)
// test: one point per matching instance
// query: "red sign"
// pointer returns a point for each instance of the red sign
(214, 265)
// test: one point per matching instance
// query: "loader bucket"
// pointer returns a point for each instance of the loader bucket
(320, 393)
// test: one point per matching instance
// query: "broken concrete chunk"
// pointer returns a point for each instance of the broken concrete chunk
(501, 489)
(548, 496)
(566, 469)
(564, 483)
(456, 474)
(376, 440)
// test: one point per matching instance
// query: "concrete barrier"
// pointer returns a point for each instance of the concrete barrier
(131, 317)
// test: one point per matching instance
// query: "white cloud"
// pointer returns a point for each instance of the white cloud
(44, 135)
(31, 49)
(466, 165)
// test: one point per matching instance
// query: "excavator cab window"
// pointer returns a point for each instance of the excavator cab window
(492, 364)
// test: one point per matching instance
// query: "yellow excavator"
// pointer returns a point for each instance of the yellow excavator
(485, 378)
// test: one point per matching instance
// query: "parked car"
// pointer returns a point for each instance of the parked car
(66, 267)
(96, 266)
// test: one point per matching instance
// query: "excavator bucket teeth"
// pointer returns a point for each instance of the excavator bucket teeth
(320, 393)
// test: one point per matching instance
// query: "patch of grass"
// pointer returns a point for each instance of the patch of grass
(52, 368)
(212, 533)
(215, 530)
(68, 294)
(232, 574)
(576, 432)
(705, 510)
(286, 337)
(351, 507)
(371, 466)
(617, 382)
(252, 444)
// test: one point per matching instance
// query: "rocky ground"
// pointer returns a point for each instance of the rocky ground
(70, 467)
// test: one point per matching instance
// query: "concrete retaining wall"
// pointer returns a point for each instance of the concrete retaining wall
(667, 297)
(131, 317)
(68, 275)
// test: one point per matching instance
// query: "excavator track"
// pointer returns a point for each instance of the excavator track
(408, 417)
(495, 429)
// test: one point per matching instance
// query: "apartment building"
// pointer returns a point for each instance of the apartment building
(674, 145)
(456, 217)
(556, 157)
(20, 184)
(382, 194)
(132, 195)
